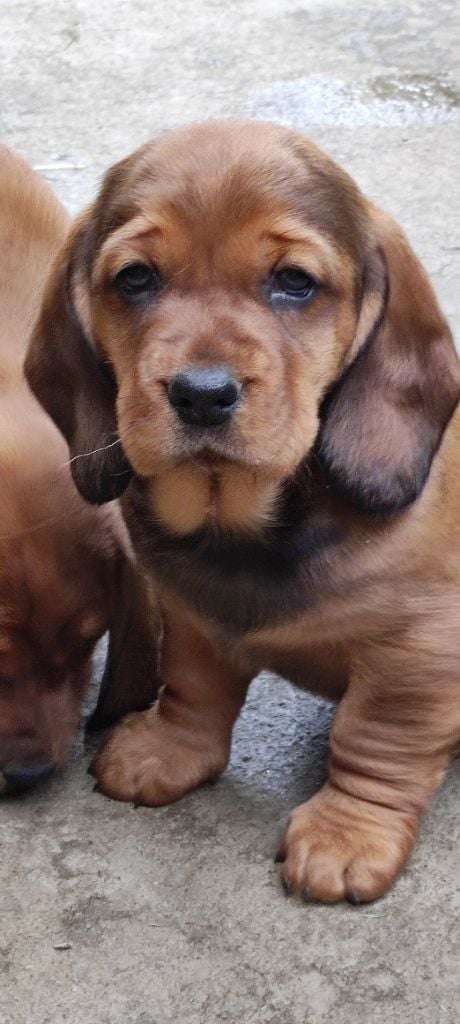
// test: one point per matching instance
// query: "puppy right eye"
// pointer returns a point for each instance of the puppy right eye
(138, 281)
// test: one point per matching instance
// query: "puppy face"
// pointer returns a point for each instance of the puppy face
(225, 301)
(230, 303)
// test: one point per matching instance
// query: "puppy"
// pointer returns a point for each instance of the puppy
(66, 570)
(274, 362)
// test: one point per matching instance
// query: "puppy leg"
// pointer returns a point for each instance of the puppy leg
(130, 680)
(390, 746)
(157, 756)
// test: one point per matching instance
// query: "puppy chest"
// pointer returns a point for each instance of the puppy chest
(240, 586)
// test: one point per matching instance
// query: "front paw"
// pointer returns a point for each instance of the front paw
(148, 761)
(339, 847)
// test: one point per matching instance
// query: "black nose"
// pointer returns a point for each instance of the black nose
(204, 396)
(20, 776)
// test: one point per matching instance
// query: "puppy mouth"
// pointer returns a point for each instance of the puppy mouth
(209, 449)
(210, 461)
(211, 488)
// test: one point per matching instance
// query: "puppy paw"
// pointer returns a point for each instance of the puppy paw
(338, 847)
(150, 762)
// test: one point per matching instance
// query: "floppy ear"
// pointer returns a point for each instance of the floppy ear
(71, 381)
(130, 681)
(383, 421)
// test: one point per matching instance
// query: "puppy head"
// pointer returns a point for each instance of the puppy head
(54, 597)
(230, 303)
(65, 579)
(48, 630)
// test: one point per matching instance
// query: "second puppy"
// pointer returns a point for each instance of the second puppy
(66, 569)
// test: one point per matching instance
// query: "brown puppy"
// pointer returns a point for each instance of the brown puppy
(281, 378)
(65, 568)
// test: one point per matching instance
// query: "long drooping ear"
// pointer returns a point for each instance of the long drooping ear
(384, 419)
(71, 381)
(130, 681)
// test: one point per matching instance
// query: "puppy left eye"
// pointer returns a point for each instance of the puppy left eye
(138, 281)
(293, 283)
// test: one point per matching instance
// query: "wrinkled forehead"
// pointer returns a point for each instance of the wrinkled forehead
(217, 177)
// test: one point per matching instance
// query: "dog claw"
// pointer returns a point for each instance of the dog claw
(354, 898)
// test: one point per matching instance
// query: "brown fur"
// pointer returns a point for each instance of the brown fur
(66, 569)
(318, 532)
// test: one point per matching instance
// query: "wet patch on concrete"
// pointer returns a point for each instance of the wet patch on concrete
(426, 92)
(384, 101)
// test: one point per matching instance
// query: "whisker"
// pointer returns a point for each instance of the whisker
(86, 455)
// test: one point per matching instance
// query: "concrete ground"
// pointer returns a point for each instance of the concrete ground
(175, 916)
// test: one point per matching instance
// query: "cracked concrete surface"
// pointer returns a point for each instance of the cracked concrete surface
(175, 916)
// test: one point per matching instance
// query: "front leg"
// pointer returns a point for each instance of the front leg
(157, 756)
(391, 742)
(130, 681)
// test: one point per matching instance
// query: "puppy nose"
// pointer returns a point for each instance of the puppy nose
(22, 775)
(204, 396)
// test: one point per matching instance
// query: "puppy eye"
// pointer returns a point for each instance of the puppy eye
(293, 283)
(138, 281)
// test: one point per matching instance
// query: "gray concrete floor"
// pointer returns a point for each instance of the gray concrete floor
(115, 916)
